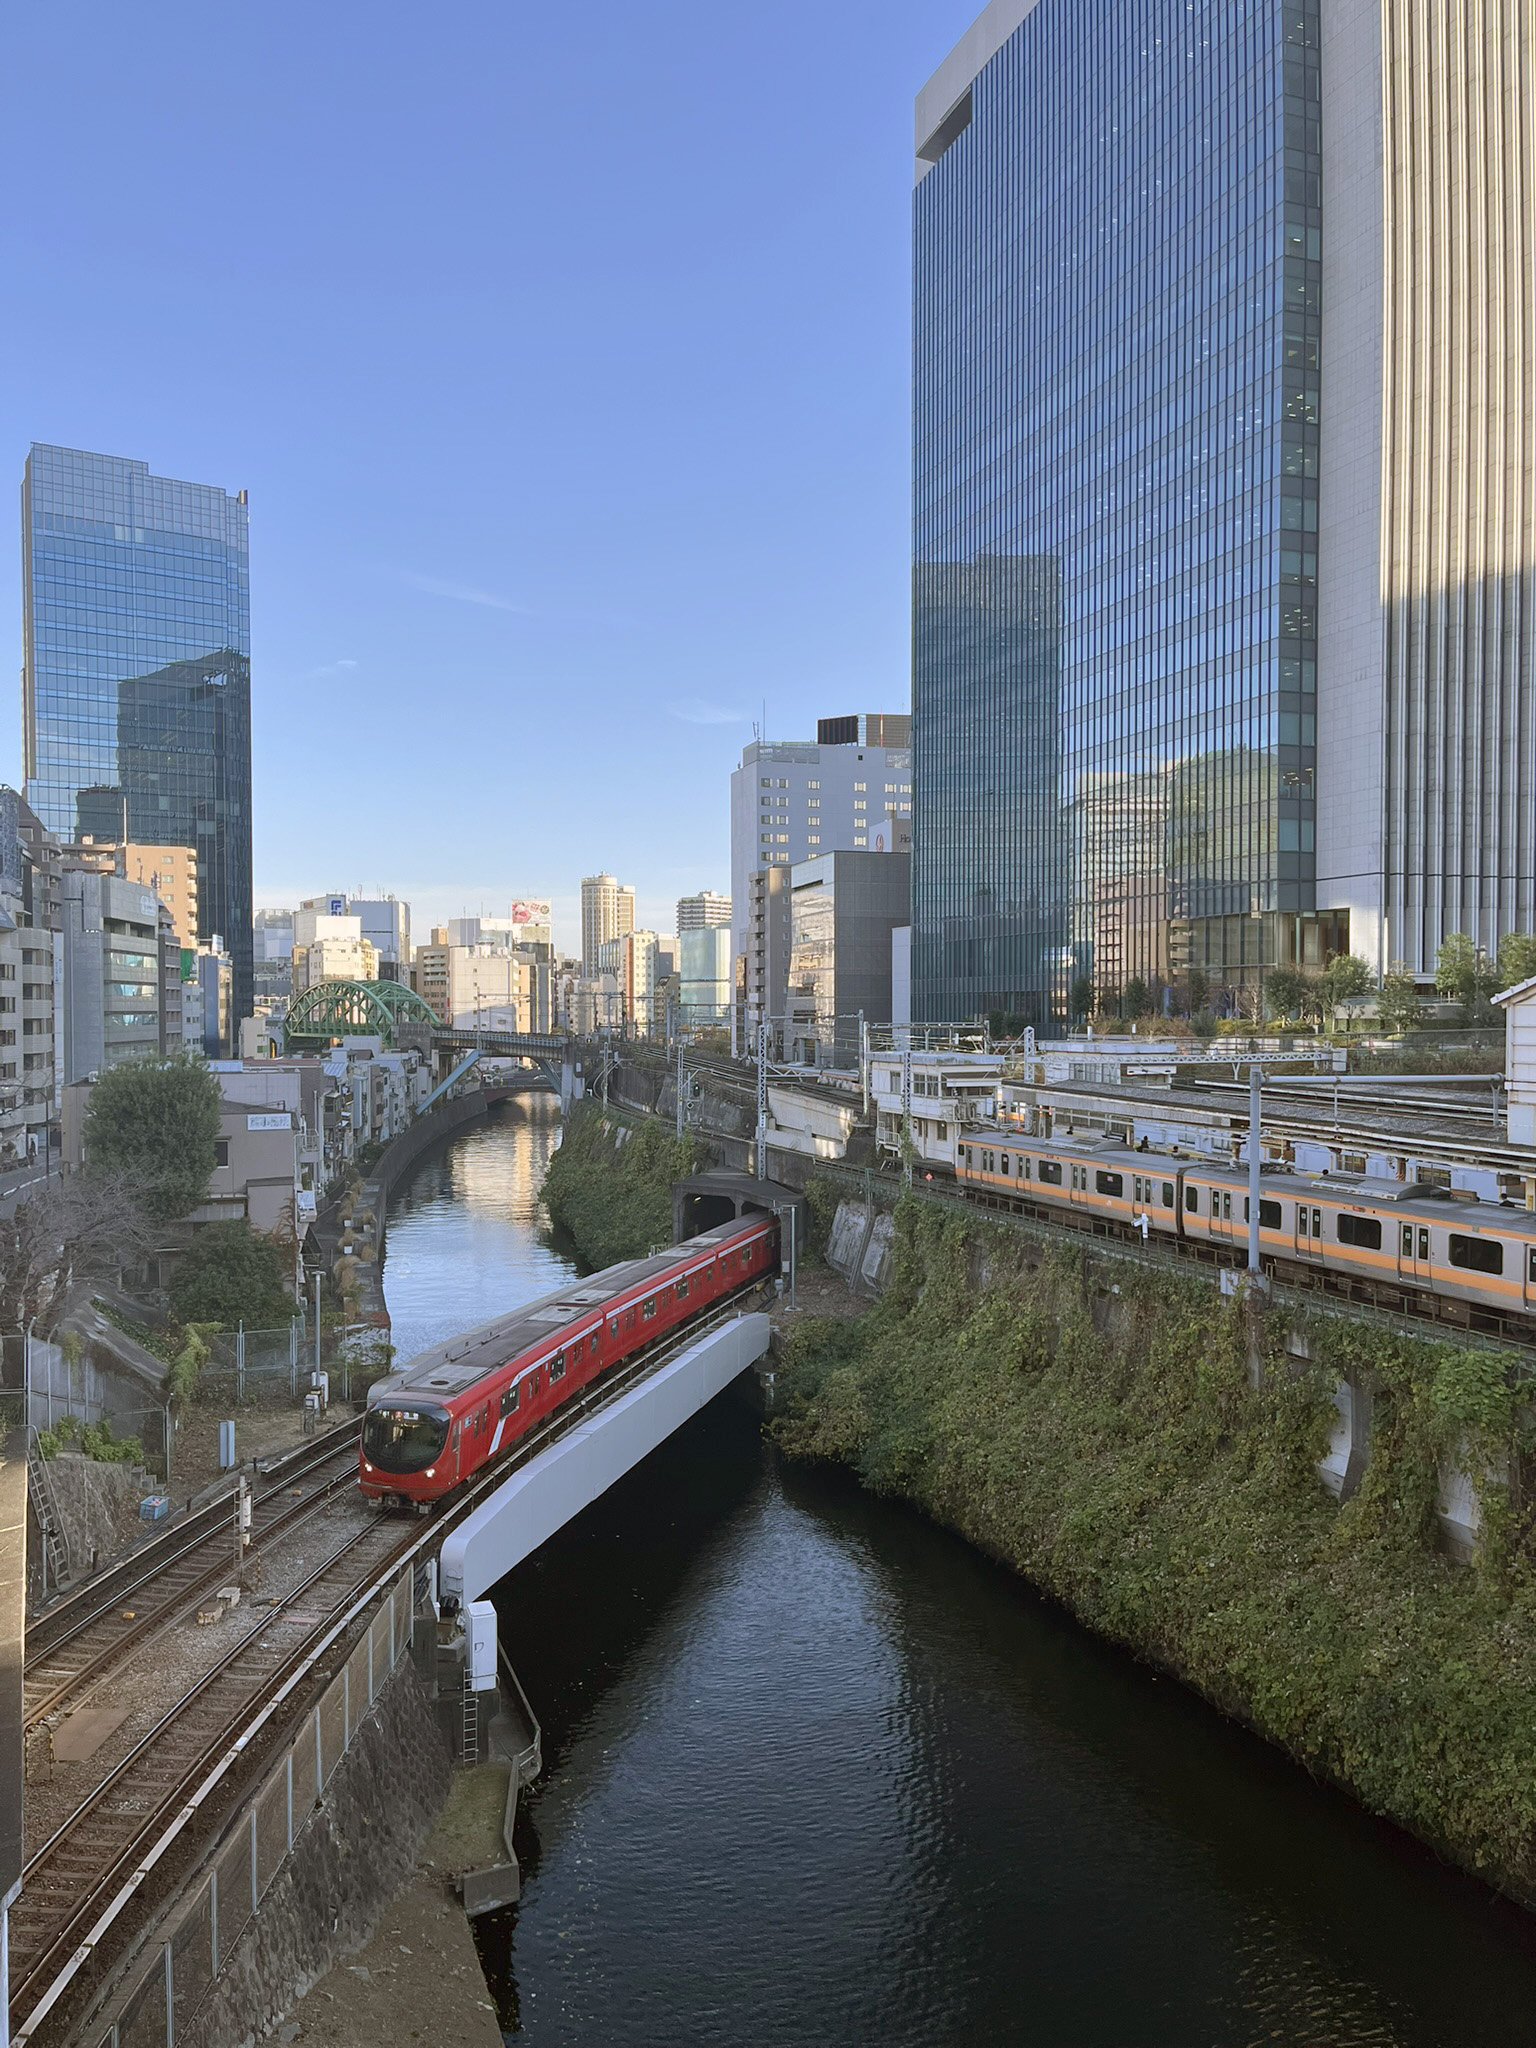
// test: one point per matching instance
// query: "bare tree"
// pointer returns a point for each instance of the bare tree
(72, 1230)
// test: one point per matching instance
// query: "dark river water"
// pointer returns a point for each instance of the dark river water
(817, 1773)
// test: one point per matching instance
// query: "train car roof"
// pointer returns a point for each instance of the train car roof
(451, 1368)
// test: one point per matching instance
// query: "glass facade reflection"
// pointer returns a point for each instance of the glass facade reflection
(136, 676)
(1116, 379)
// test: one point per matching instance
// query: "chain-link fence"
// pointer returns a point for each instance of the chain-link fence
(273, 1368)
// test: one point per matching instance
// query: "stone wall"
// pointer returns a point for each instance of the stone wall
(360, 1846)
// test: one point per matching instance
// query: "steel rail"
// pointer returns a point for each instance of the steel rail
(131, 1635)
(124, 1843)
(119, 1581)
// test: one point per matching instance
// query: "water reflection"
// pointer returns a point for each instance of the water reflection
(464, 1240)
(820, 1774)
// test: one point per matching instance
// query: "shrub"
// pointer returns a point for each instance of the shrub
(229, 1275)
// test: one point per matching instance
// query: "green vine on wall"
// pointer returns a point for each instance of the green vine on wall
(1102, 1428)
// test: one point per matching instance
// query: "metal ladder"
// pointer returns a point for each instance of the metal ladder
(469, 1710)
(46, 1508)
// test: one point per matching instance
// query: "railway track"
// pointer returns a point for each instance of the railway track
(1438, 1312)
(84, 1640)
(70, 1884)
(66, 1884)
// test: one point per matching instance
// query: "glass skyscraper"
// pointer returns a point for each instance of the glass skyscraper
(1154, 549)
(136, 670)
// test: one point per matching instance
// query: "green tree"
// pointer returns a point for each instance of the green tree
(1517, 958)
(1462, 969)
(1399, 1004)
(230, 1274)
(1285, 991)
(1345, 977)
(1137, 1000)
(152, 1122)
(1080, 997)
(1197, 990)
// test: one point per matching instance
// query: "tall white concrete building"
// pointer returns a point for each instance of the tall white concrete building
(1426, 767)
(607, 912)
(698, 913)
(793, 800)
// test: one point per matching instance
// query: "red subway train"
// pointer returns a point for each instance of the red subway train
(450, 1411)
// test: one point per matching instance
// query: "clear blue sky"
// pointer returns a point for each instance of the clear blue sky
(564, 354)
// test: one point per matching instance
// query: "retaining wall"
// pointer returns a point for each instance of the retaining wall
(301, 1873)
(860, 1245)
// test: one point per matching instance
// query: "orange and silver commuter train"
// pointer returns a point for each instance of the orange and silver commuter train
(452, 1410)
(1468, 1262)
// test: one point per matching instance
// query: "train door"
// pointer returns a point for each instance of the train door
(1309, 1231)
(1413, 1261)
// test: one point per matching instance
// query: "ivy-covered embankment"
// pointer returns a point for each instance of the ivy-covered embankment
(1102, 1433)
(609, 1186)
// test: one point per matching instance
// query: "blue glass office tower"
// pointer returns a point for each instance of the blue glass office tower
(136, 686)
(1117, 355)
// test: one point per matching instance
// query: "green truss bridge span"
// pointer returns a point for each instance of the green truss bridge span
(358, 1009)
(387, 1010)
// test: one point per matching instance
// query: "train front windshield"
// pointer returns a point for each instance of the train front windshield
(404, 1439)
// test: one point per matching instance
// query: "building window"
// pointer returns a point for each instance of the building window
(861, 785)
(221, 1151)
(813, 839)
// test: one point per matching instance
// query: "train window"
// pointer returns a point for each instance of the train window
(648, 1308)
(1005, 1162)
(1192, 1201)
(1364, 1231)
(1407, 1240)
(1226, 1208)
(1423, 1244)
(1024, 1168)
(1109, 1183)
(1167, 1194)
(629, 1320)
(1050, 1172)
(597, 1337)
(1531, 1266)
(532, 1384)
(613, 1327)
(557, 1366)
(1477, 1254)
(509, 1399)
(682, 1289)
(1317, 1222)
(1269, 1214)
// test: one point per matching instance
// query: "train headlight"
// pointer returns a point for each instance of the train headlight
(366, 1466)
(429, 1471)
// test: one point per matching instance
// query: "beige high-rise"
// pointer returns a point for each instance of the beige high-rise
(607, 912)
(1426, 777)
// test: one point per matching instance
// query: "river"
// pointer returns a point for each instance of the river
(818, 1773)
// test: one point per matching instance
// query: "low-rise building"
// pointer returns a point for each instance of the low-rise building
(952, 1092)
(110, 954)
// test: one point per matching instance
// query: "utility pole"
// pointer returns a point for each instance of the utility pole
(1255, 1147)
(679, 1085)
(863, 1067)
(762, 1098)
